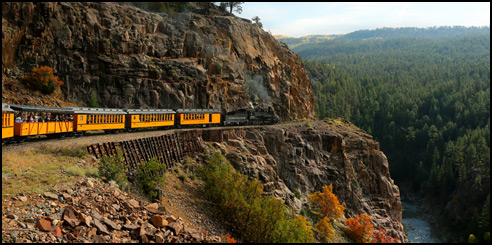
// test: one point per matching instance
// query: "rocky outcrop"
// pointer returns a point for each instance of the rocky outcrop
(127, 57)
(307, 157)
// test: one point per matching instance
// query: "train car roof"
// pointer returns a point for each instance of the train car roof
(150, 111)
(6, 107)
(32, 108)
(89, 110)
(198, 111)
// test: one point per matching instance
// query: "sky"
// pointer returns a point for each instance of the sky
(297, 19)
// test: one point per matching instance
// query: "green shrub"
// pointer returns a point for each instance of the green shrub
(297, 193)
(112, 168)
(257, 218)
(93, 102)
(150, 177)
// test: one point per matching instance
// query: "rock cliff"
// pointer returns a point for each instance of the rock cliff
(126, 57)
(306, 157)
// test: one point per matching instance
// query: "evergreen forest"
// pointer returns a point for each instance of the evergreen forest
(424, 94)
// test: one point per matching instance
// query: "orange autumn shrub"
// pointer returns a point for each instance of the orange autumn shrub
(328, 203)
(229, 239)
(380, 236)
(42, 79)
(360, 228)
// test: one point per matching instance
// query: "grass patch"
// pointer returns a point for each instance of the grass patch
(82, 171)
(42, 169)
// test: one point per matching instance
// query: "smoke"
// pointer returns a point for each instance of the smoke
(256, 90)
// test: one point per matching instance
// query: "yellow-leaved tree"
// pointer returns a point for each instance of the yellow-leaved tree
(329, 208)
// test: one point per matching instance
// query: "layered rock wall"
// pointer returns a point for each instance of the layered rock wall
(127, 57)
(307, 158)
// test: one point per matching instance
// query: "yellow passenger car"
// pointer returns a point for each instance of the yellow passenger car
(108, 119)
(149, 118)
(7, 121)
(46, 121)
(204, 117)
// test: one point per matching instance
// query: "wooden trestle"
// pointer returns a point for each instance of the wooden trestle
(169, 149)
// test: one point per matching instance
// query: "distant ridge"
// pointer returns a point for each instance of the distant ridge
(387, 33)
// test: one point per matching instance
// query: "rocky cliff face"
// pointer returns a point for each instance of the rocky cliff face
(127, 57)
(308, 157)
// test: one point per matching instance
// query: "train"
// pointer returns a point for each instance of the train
(67, 121)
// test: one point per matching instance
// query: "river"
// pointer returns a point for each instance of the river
(418, 230)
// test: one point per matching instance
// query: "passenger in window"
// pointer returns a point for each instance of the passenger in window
(18, 118)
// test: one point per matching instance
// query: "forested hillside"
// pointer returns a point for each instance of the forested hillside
(424, 94)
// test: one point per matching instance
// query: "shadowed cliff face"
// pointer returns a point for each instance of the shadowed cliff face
(306, 158)
(130, 58)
